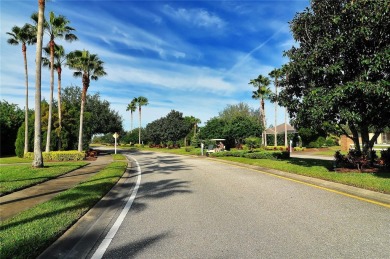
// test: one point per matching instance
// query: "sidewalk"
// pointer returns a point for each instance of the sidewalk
(19, 201)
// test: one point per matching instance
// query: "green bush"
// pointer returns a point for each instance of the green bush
(72, 155)
(253, 155)
(139, 145)
(188, 149)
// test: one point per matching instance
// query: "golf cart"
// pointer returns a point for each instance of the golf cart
(216, 147)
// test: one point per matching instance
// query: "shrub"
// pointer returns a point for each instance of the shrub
(254, 155)
(138, 145)
(188, 149)
(59, 155)
(299, 148)
(385, 157)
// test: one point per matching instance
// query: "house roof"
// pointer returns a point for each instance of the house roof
(280, 129)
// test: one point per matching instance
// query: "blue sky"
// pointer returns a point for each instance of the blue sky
(192, 56)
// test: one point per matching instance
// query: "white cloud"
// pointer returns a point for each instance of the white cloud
(197, 17)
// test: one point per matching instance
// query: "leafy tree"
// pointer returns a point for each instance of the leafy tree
(25, 35)
(59, 60)
(99, 118)
(11, 117)
(173, 127)
(339, 74)
(55, 27)
(132, 106)
(236, 130)
(38, 158)
(234, 110)
(262, 92)
(214, 128)
(88, 66)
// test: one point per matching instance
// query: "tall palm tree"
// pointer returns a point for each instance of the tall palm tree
(55, 27)
(276, 74)
(262, 92)
(88, 66)
(141, 101)
(132, 106)
(38, 159)
(25, 35)
(59, 60)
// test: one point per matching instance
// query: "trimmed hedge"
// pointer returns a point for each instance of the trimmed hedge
(281, 148)
(59, 155)
(253, 155)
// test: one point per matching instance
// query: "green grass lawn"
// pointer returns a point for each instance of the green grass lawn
(29, 233)
(16, 177)
(14, 160)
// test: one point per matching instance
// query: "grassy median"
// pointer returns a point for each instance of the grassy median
(18, 176)
(29, 233)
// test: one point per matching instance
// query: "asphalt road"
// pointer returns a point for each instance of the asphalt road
(188, 207)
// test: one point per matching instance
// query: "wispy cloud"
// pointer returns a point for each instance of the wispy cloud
(197, 17)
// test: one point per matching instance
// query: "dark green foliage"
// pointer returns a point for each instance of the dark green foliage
(99, 118)
(11, 117)
(253, 155)
(339, 74)
(385, 157)
(172, 127)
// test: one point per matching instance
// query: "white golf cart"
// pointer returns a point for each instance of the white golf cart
(217, 147)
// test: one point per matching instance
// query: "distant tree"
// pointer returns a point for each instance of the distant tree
(261, 93)
(132, 106)
(173, 127)
(38, 159)
(88, 66)
(141, 101)
(214, 128)
(276, 74)
(338, 75)
(240, 128)
(100, 118)
(25, 35)
(234, 110)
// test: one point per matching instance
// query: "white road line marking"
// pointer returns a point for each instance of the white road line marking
(110, 235)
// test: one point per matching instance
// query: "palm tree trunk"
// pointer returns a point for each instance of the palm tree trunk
(38, 159)
(24, 50)
(59, 71)
(131, 121)
(83, 98)
(276, 115)
(139, 130)
(285, 127)
(48, 136)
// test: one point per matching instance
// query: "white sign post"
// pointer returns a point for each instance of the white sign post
(116, 135)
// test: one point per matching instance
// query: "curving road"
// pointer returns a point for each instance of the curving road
(189, 207)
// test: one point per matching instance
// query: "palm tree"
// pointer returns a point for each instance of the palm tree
(55, 27)
(60, 58)
(195, 121)
(25, 36)
(141, 101)
(262, 92)
(132, 106)
(38, 159)
(88, 66)
(276, 74)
